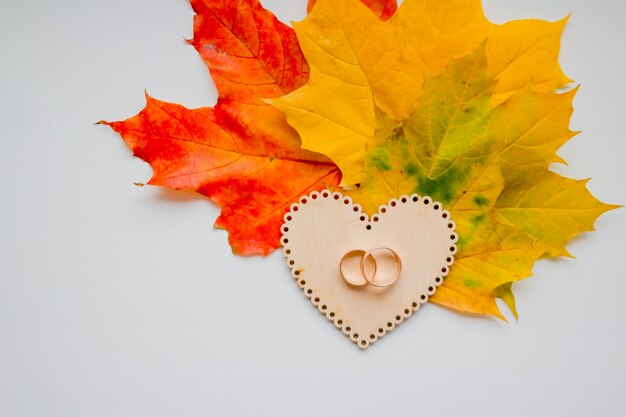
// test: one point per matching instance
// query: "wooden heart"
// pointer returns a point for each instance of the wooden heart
(324, 226)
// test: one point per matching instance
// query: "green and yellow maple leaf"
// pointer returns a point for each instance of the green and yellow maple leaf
(439, 101)
(358, 59)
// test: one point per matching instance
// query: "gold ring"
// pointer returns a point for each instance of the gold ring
(396, 273)
(351, 279)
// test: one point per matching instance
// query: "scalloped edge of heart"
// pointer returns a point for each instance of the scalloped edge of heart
(363, 342)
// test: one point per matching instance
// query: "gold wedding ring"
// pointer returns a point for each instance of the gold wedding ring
(396, 272)
(360, 277)
(355, 279)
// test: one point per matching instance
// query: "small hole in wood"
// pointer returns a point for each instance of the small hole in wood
(406, 311)
(451, 248)
(340, 322)
(393, 204)
(285, 229)
(295, 208)
(289, 218)
(317, 299)
(356, 335)
(423, 297)
(304, 201)
(362, 218)
(372, 336)
(288, 251)
(346, 201)
(383, 210)
(414, 305)
(303, 282)
(448, 259)
(426, 201)
(389, 324)
(375, 218)
(331, 314)
(415, 199)
(348, 329)
(325, 195)
(443, 270)
(314, 196)
(324, 307)
(285, 240)
(437, 280)
(450, 225)
(436, 206)
(452, 237)
(355, 209)
(336, 197)
(363, 343)
(398, 318)
(292, 262)
(309, 291)
(403, 199)
(430, 289)
(368, 227)
(444, 215)
(297, 272)
(380, 330)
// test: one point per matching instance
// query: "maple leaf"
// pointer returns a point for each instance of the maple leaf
(439, 101)
(241, 153)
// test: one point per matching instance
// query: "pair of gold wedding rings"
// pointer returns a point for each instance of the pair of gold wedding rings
(367, 272)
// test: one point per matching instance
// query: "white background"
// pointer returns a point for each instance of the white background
(120, 301)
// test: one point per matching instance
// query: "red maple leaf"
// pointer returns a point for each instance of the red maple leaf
(241, 153)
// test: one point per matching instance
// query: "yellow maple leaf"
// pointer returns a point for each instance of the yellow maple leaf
(439, 101)
(358, 59)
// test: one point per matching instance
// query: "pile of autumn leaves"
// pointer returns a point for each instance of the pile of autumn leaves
(430, 98)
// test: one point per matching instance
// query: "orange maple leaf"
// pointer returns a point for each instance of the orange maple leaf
(241, 153)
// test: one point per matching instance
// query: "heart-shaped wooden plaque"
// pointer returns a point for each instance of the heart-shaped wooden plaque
(324, 226)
